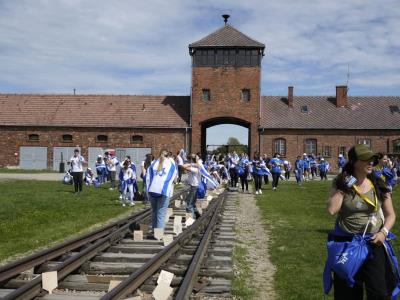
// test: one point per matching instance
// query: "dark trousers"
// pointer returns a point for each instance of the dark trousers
(275, 179)
(112, 178)
(234, 177)
(244, 182)
(266, 179)
(257, 181)
(180, 171)
(322, 174)
(78, 181)
(375, 274)
(287, 175)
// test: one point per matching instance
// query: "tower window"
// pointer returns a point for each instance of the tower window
(246, 94)
(206, 95)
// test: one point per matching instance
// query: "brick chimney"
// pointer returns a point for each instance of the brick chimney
(290, 96)
(341, 96)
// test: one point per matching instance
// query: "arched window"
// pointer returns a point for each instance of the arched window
(366, 142)
(137, 138)
(67, 138)
(310, 146)
(280, 146)
(396, 146)
(102, 138)
(33, 137)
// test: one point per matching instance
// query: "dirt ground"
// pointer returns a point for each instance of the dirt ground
(253, 236)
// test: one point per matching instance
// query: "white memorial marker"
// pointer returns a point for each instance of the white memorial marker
(138, 235)
(167, 239)
(165, 277)
(113, 284)
(158, 233)
(49, 281)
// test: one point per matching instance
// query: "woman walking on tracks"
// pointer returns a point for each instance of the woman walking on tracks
(359, 198)
(160, 177)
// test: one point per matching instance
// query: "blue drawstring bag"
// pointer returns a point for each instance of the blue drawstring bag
(201, 191)
(239, 170)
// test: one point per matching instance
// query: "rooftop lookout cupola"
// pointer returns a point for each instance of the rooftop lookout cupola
(226, 46)
(226, 74)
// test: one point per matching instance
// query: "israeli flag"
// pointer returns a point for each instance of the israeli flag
(211, 183)
(160, 183)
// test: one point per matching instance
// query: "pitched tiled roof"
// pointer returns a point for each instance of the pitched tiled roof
(227, 36)
(94, 110)
(361, 113)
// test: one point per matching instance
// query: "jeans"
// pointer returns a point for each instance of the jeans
(191, 201)
(128, 189)
(159, 207)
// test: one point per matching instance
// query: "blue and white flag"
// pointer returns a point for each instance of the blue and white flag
(160, 183)
(211, 182)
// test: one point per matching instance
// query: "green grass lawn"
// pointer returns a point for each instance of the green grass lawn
(34, 214)
(298, 221)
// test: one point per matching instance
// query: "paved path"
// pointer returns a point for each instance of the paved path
(33, 176)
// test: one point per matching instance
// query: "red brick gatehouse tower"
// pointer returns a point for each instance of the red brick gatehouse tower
(226, 74)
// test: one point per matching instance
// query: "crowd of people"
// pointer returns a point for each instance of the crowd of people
(261, 168)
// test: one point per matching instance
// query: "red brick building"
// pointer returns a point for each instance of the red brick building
(39, 131)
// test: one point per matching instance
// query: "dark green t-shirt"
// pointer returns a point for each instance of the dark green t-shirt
(354, 213)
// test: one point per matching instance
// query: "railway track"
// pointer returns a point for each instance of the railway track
(115, 266)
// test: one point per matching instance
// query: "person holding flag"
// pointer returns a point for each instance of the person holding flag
(160, 177)
(276, 170)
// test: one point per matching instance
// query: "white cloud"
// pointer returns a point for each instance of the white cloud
(140, 47)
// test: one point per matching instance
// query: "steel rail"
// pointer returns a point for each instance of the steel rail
(188, 281)
(15, 268)
(136, 279)
(34, 287)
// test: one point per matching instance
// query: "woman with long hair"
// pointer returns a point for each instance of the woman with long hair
(160, 177)
(363, 205)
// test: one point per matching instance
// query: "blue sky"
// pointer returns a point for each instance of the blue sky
(141, 47)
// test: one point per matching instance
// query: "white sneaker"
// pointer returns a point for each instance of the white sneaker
(123, 204)
(256, 192)
(131, 204)
(274, 189)
(260, 192)
(111, 189)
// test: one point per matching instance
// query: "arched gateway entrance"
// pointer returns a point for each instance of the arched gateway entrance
(206, 147)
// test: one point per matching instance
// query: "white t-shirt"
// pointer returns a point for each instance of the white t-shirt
(194, 176)
(112, 164)
(128, 174)
(76, 163)
(179, 160)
